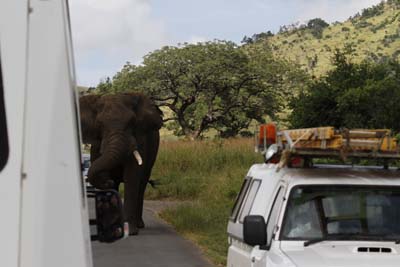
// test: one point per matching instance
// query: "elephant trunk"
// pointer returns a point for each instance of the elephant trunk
(116, 146)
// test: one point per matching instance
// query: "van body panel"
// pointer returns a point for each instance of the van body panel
(44, 213)
(13, 37)
(55, 228)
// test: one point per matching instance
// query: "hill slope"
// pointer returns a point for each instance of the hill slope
(373, 34)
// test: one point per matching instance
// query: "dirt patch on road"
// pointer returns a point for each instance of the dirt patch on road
(157, 206)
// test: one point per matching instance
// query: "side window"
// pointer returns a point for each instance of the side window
(248, 203)
(273, 215)
(4, 150)
(239, 199)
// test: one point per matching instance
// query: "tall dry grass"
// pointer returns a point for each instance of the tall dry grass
(209, 174)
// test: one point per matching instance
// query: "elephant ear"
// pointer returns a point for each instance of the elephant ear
(148, 115)
(89, 102)
(88, 112)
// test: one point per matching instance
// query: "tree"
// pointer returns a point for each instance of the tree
(373, 11)
(104, 87)
(317, 26)
(364, 95)
(126, 79)
(262, 36)
(210, 85)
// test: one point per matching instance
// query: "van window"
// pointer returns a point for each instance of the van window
(239, 199)
(248, 203)
(4, 150)
(273, 215)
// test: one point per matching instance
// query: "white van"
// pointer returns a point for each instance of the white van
(44, 218)
(322, 215)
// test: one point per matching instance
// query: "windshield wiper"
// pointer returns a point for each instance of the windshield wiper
(318, 240)
(313, 241)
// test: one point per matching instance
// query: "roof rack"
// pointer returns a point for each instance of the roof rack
(329, 142)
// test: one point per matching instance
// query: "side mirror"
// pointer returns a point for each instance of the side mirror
(106, 215)
(255, 230)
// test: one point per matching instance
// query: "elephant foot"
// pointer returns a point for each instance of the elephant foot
(140, 224)
(133, 230)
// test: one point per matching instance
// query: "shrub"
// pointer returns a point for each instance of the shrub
(316, 27)
(364, 95)
(373, 11)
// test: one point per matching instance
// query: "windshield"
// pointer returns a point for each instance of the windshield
(342, 213)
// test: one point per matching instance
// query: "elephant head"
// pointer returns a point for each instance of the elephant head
(112, 122)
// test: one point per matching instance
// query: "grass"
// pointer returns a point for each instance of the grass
(209, 175)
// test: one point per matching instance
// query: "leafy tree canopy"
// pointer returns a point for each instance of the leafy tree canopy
(211, 85)
(262, 36)
(317, 23)
(317, 26)
(364, 95)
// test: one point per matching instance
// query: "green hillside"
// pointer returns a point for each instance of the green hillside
(372, 34)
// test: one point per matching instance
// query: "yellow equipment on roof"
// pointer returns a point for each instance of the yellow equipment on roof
(326, 141)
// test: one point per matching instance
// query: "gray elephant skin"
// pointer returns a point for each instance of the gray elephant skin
(123, 131)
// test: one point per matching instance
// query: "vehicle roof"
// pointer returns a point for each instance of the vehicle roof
(328, 174)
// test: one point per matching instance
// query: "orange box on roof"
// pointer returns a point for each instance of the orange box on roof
(267, 132)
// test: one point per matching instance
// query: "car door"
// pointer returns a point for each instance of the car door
(258, 256)
(239, 253)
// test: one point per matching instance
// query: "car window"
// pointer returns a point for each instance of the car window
(4, 149)
(248, 203)
(342, 212)
(303, 221)
(273, 215)
(239, 199)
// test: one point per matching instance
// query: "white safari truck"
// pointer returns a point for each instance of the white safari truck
(43, 205)
(291, 212)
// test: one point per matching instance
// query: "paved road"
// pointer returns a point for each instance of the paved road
(156, 245)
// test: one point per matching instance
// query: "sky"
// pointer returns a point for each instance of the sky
(108, 33)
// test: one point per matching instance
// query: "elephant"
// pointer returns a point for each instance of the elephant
(123, 131)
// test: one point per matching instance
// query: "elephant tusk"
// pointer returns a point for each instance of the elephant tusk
(138, 158)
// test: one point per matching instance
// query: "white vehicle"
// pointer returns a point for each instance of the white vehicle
(44, 211)
(85, 164)
(321, 215)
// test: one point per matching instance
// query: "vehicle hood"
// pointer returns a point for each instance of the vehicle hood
(342, 254)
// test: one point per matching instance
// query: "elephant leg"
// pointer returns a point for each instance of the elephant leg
(151, 149)
(143, 185)
(131, 194)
